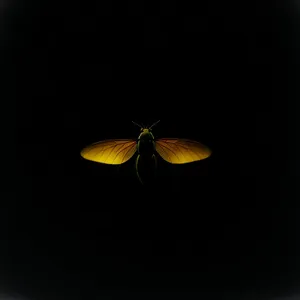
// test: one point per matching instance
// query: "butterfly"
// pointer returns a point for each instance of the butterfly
(172, 150)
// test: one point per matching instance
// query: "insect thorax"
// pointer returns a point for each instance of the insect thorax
(146, 143)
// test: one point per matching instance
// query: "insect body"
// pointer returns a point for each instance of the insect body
(172, 150)
(146, 159)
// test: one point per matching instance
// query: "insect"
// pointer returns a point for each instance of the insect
(119, 151)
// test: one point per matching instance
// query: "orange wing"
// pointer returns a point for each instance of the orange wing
(181, 151)
(112, 152)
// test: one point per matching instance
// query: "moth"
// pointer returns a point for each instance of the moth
(172, 150)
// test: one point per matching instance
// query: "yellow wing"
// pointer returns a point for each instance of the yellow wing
(181, 151)
(112, 152)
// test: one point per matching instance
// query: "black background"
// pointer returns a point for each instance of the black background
(223, 73)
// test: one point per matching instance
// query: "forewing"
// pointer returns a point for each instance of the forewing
(112, 152)
(181, 151)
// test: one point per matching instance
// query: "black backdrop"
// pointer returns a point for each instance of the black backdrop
(224, 73)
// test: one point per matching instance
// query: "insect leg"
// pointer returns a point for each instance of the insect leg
(155, 160)
(137, 168)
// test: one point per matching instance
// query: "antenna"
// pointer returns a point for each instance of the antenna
(137, 124)
(154, 124)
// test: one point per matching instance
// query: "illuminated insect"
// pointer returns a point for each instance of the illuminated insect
(119, 151)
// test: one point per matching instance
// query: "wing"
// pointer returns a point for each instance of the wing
(181, 151)
(112, 152)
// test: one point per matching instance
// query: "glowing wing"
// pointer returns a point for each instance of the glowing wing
(181, 151)
(112, 152)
